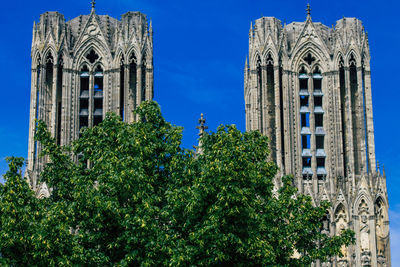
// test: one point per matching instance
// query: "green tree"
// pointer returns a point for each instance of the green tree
(129, 195)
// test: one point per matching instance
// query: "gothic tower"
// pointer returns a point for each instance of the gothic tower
(83, 68)
(308, 88)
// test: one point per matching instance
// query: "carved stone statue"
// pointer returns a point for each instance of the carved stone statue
(364, 226)
(382, 231)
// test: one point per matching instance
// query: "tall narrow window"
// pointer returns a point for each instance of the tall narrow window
(304, 98)
(48, 89)
(143, 93)
(281, 113)
(122, 90)
(98, 96)
(354, 110)
(59, 100)
(343, 110)
(37, 108)
(132, 80)
(271, 124)
(84, 98)
(260, 95)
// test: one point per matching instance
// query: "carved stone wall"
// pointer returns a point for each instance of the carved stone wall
(317, 111)
(82, 69)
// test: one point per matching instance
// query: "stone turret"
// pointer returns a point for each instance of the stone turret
(308, 88)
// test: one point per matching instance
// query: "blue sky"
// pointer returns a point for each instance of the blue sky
(199, 53)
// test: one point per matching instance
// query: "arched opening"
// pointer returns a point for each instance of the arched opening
(342, 90)
(271, 105)
(319, 123)
(59, 100)
(132, 80)
(304, 100)
(84, 98)
(260, 95)
(48, 84)
(98, 96)
(122, 89)
(355, 112)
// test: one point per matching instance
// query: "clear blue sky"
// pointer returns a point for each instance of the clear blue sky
(199, 53)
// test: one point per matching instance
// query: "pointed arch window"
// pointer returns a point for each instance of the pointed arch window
(98, 96)
(122, 89)
(304, 98)
(84, 98)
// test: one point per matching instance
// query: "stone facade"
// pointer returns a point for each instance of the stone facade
(82, 69)
(308, 88)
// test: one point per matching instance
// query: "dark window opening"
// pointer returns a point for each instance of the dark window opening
(305, 120)
(84, 98)
(319, 118)
(317, 84)
(59, 102)
(143, 83)
(342, 107)
(132, 81)
(306, 162)
(121, 92)
(303, 84)
(317, 101)
(320, 162)
(92, 56)
(98, 96)
(304, 100)
(319, 140)
(305, 141)
(355, 114)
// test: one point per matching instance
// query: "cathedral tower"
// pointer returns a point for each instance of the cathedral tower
(308, 88)
(83, 68)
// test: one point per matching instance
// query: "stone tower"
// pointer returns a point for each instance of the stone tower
(83, 68)
(308, 88)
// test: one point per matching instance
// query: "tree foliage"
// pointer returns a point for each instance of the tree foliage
(130, 195)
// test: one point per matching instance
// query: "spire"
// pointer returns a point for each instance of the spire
(308, 11)
(202, 127)
(383, 171)
(93, 5)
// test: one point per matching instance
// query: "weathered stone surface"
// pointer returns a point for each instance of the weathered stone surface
(308, 88)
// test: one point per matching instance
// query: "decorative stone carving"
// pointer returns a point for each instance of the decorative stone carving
(364, 226)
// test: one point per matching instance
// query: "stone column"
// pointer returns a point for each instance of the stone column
(138, 85)
(277, 112)
(263, 106)
(348, 123)
(53, 119)
(32, 116)
(128, 105)
(361, 119)
(149, 82)
(369, 121)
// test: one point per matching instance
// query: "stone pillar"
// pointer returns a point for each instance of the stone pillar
(138, 85)
(369, 121)
(276, 111)
(263, 109)
(127, 102)
(348, 123)
(149, 82)
(32, 116)
(361, 119)
(53, 119)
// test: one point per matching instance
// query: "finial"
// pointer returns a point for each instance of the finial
(383, 171)
(93, 4)
(377, 166)
(202, 125)
(308, 10)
